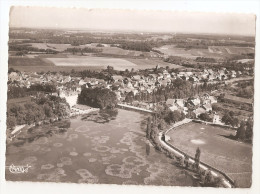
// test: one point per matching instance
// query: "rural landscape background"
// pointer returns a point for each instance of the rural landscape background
(131, 107)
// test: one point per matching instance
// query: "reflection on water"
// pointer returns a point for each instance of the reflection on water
(107, 147)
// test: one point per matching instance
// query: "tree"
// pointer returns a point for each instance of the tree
(241, 131)
(162, 124)
(205, 117)
(197, 158)
(249, 129)
(11, 121)
(208, 177)
(186, 161)
(98, 97)
(129, 97)
(148, 128)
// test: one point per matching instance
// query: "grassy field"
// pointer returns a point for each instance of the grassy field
(232, 157)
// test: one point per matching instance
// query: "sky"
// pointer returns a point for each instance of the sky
(133, 20)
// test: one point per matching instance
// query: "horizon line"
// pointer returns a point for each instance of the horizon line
(130, 31)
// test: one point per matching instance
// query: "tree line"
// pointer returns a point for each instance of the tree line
(177, 89)
(19, 92)
(42, 108)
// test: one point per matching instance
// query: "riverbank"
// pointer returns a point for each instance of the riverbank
(76, 110)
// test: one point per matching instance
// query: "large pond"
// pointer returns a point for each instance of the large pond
(106, 147)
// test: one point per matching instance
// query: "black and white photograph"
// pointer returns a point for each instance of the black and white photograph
(130, 97)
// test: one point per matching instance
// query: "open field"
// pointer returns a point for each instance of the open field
(56, 47)
(28, 61)
(119, 51)
(230, 156)
(65, 62)
(118, 64)
(151, 63)
(212, 51)
(54, 68)
(107, 49)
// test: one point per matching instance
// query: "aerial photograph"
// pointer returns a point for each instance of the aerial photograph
(123, 97)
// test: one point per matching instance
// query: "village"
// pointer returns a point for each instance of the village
(69, 87)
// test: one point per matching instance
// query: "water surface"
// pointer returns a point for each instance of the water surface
(108, 148)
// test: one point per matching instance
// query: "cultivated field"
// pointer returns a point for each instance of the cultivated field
(232, 157)
(28, 61)
(56, 47)
(119, 51)
(212, 51)
(151, 63)
(107, 49)
(118, 64)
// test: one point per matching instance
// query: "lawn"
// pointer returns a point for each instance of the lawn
(232, 157)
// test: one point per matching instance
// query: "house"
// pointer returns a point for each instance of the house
(185, 77)
(82, 82)
(207, 107)
(212, 99)
(66, 79)
(170, 102)
(199, 111)
(14, 76)
(152, 77)
(129, 85)
(216, 119)
(166, 74)
(224, 76)
(136, 77)
(117, 78)
(179, 102)
(118, 95)
(210, 71)
(211, 77)
(203, 75)
(160, 76)
(193, 79)
(173, 107)
(194, 101)
(135, 91)
(233, 73)
(149, 91)
(189, 73)
(164, 82)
